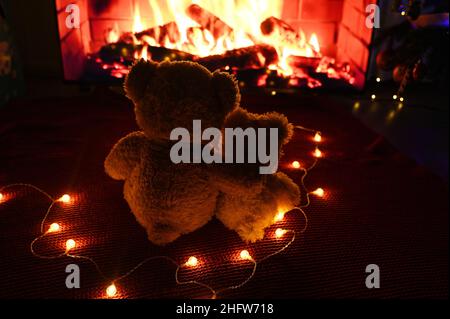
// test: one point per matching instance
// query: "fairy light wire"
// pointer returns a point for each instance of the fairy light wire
(214, 292)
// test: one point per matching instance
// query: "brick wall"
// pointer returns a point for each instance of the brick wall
(319, 16)
(354, 37)
(340, 27)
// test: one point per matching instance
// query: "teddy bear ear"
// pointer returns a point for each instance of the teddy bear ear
(138, 78)
(227, 90)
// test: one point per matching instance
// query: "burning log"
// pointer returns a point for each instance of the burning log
(302, 62)
(274, 26)
(115, 52)
(256, 56)
(122, 51)
(159, 54)
(160, 34)
(208, 21)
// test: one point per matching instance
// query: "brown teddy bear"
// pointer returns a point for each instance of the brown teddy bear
(170, 199)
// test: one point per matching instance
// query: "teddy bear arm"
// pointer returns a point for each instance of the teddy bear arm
(125, 155)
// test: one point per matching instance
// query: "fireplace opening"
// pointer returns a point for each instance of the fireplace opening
(279, 44)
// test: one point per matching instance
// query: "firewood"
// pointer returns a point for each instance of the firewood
(121, 51)
(160, 34)
(159, 54)
(115, 52)
(208, 21)
(274, 26)
(256, 56)
(304, 62)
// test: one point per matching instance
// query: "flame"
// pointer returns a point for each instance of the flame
(112, 35)
(314, 42)
(243, 17)
(144, 54)
(138, 25)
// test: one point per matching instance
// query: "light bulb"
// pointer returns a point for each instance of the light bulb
(111, 291)
(192, 262)
(319, 192)
(317, 137)
(378, 79)
(296, 164)
(245, 255)
(54, 228)
(273, 93)
(70, 244)
(317, 153)
(278, 217)
(403, 13)
(65, 198)
(402, 99)
(395, 96)
(373, 97)
(280, 232)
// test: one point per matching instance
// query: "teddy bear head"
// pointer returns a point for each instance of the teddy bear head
(168, 95)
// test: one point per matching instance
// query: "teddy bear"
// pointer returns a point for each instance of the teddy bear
(172, 199)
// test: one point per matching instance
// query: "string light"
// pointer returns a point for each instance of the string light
(403, 13)
(318, 137)
(111, 290)
(402, 99)
(54, 228)
(70, 244)
(378, 79)
(395, 96)
(317, 153)
(296, 164)
(65, 198)
(273, 93)
(373, 97)
(280, 232)
(245, 255)
(319, 192)
(192, 262)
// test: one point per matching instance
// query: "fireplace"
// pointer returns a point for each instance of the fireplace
(277, 44)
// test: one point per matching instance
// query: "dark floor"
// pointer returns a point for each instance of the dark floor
(379, 208)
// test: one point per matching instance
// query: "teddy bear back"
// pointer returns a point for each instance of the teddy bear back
(169, 95)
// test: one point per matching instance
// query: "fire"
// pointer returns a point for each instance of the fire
(204, 28)
(314, 42)
(239, 27)
(144, 54)
(138, 25)
(112, 35)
